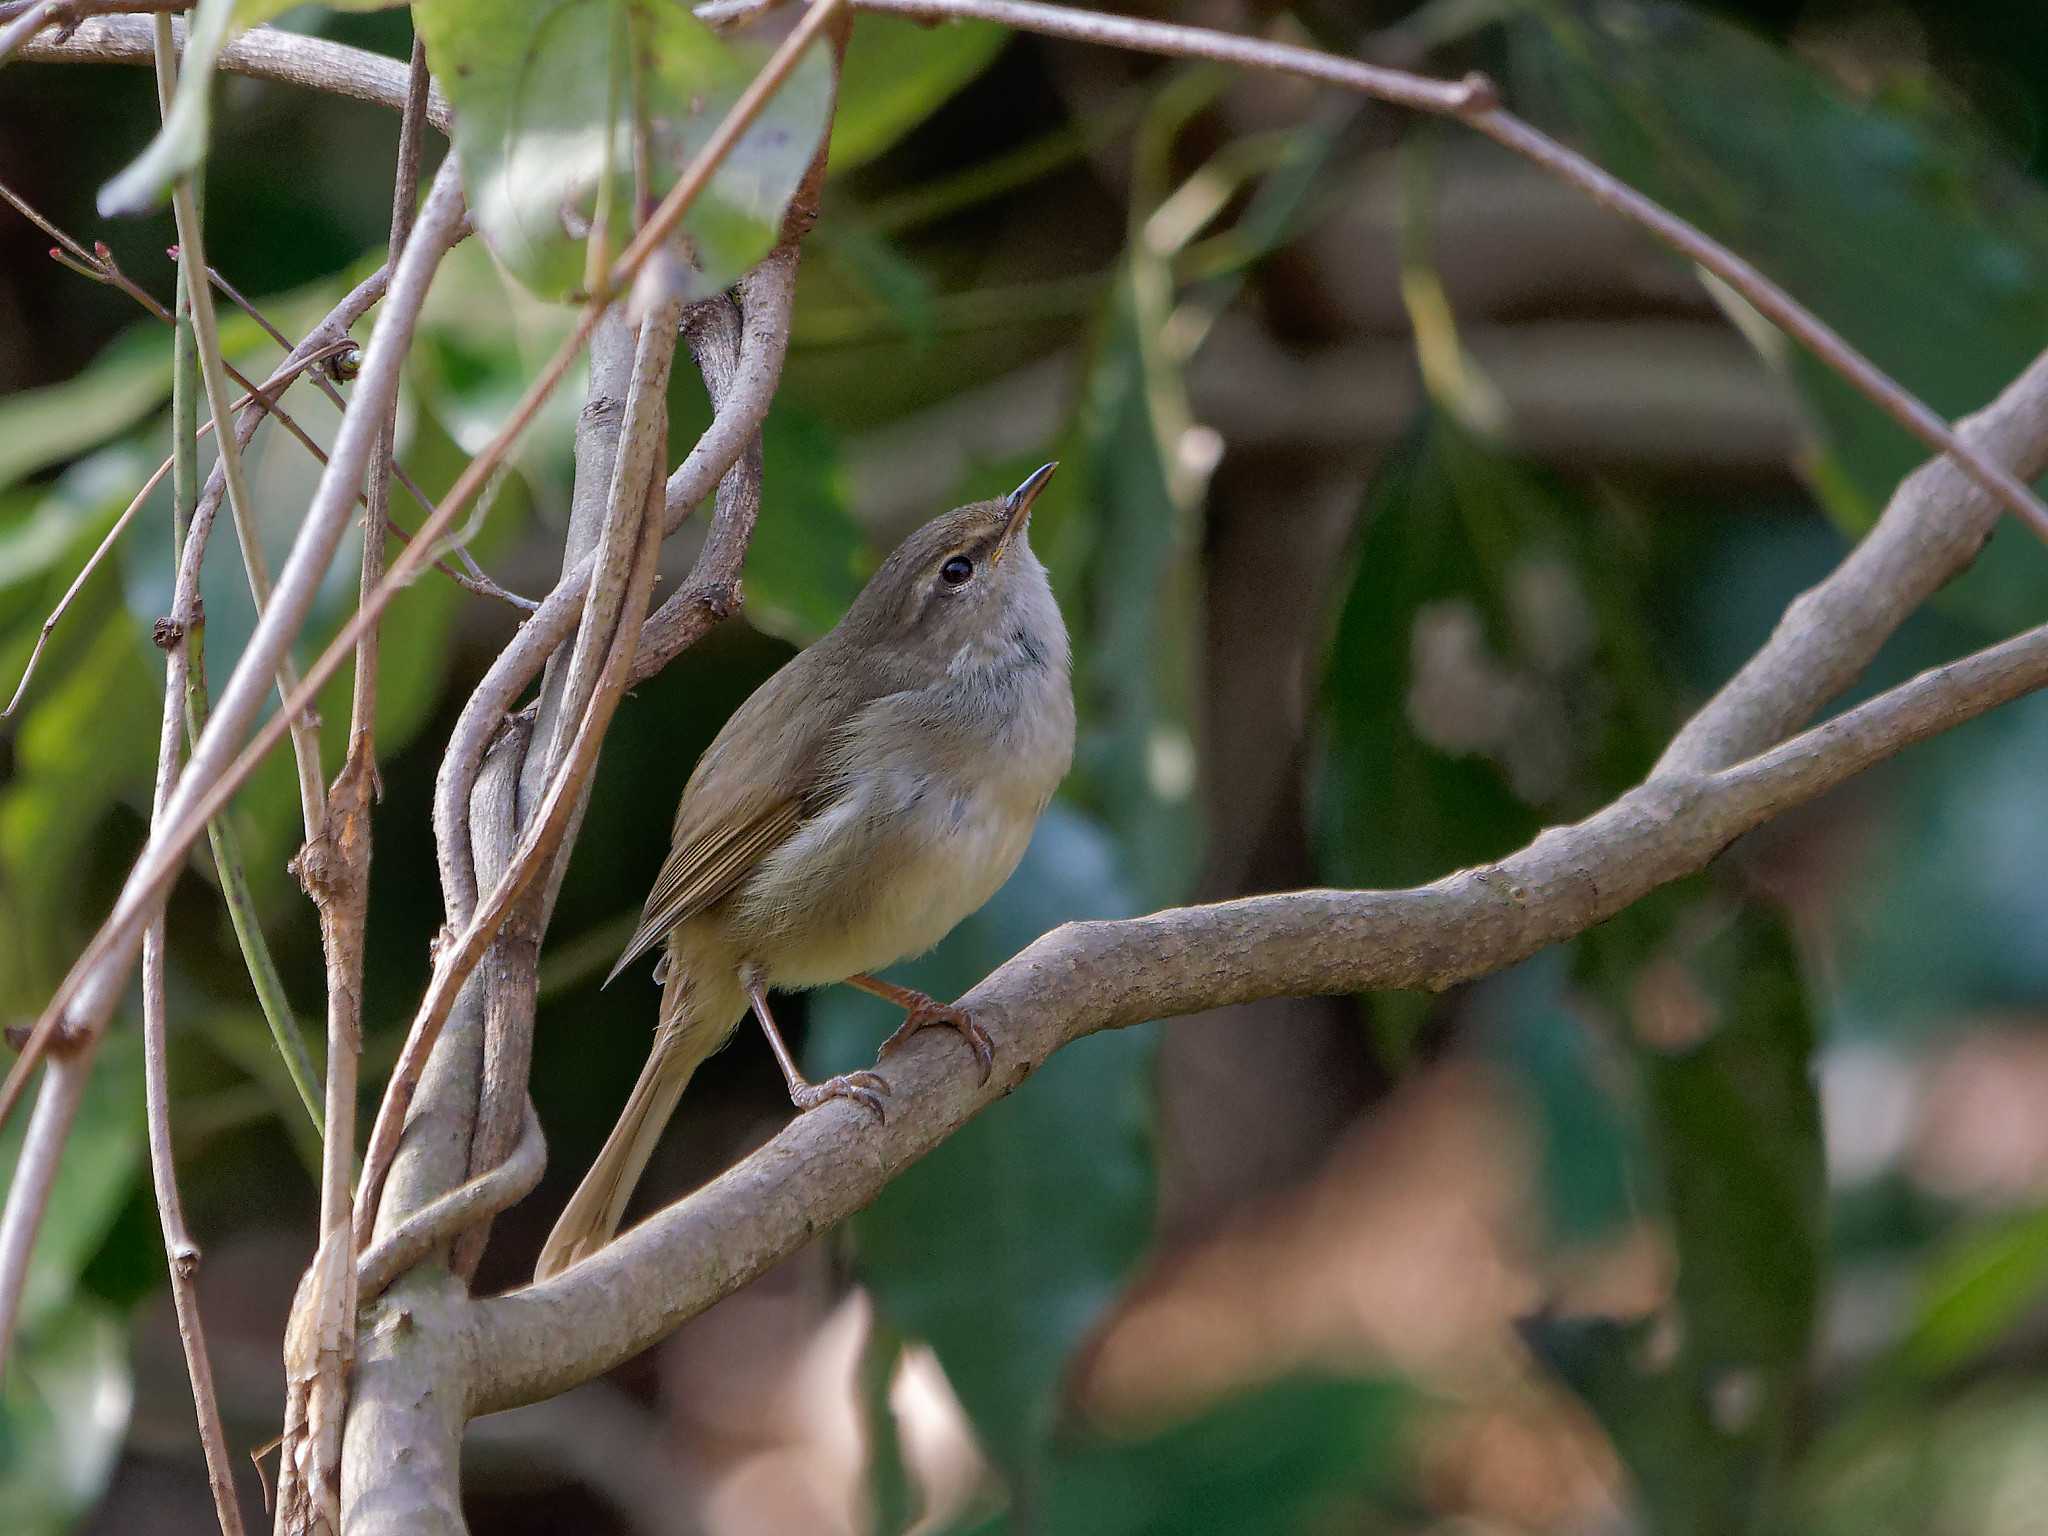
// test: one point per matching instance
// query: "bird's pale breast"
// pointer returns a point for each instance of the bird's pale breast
(925, 828)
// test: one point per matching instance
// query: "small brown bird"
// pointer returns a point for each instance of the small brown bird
(866, 798)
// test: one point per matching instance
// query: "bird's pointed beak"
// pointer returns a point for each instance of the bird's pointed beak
(1017, 505)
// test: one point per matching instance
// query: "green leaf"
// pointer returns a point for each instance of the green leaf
(1738, 1120)
(85, 742)
(63, 1416)
(547, 99)
(808, 558)
(102, 1161)
(1593, 1149)
(889, 1485)
(1004, 1245)
(896, 74)
(1904, 229)
(1271, 1463)
(180, 144)
(41, 427)
(1976, 1292)
(1487, 673)
(1128, 574)
(1702, 1403)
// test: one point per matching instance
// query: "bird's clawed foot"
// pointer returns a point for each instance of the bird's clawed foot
(927, 1012)
(864, 1088)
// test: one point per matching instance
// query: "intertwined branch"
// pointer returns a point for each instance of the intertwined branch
(456, 1140)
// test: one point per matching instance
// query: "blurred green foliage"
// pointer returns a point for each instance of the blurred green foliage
(1507, 645)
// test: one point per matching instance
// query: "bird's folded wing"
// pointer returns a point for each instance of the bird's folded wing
(703, 868)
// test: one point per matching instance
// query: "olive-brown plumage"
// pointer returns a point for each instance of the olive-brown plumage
(866, 798)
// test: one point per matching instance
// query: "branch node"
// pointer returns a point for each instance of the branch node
(1477, 94)
(722, 599)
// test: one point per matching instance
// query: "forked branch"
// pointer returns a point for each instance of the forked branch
(1085, 977)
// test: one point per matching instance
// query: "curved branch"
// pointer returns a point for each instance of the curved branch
(739, 406)
(1085, 977)
(455, 1212)
(263, 54)
(1932, 528)
(538, 843)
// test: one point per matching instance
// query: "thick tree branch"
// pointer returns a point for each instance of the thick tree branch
(402, 1474)
(632, 477)
(1933, 527)
(537, 846)
(1086, 977)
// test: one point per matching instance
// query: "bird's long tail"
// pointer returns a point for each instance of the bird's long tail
(681, 1043)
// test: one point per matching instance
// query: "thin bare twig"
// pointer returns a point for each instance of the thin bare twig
(472, 575)
(78, 582)
(335, 870)
(89, 991)
(181, 1253)
(305, 732)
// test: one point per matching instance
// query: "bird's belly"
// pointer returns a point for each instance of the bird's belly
(918, 870)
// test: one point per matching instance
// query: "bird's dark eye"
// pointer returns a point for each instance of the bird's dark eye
(956, 570)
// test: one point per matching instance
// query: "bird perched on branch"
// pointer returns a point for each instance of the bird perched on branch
(866, 798)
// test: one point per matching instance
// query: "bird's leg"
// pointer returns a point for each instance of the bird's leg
(864, 1088)
(922, 1012)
